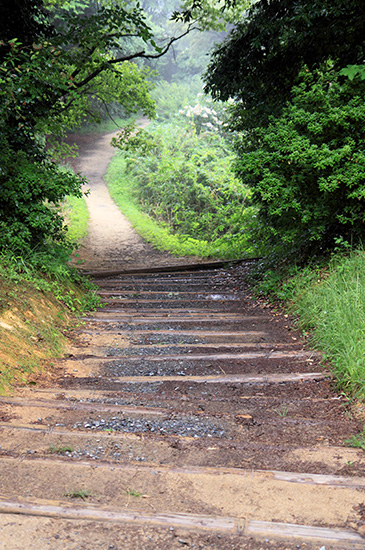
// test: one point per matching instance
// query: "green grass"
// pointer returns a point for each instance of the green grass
(329, 303)
(357, 441)
(120, 185)
(133, 493)
(61, 449)
(77, 217)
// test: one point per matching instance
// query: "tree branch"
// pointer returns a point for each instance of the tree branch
(130, 57)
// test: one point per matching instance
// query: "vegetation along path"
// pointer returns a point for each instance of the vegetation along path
(185, 415)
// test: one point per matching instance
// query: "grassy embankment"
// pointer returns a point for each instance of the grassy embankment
(36, 311)
(39, 298)
(328, 300)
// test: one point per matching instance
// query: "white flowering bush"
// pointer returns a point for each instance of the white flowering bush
(204, 116)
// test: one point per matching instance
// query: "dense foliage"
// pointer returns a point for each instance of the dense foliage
(293, 69)
(183, 178)
(259, 62)
(307, 166)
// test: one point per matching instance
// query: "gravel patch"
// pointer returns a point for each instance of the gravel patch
(187, 426)
(161, 339)
(153, 368)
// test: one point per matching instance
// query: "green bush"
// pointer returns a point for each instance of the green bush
(30, 191)
(170, 97)
(306, 169)
(185, 180)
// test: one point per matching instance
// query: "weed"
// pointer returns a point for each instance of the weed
(133, 493)
(80, 493)
(60, 449)
(357, 441)
(282, 410)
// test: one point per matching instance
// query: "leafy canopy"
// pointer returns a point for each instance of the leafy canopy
(56, 60)
(259, 62)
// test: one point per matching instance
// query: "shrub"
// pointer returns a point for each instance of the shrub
(185, 181)
(30, 191)
(306, 169)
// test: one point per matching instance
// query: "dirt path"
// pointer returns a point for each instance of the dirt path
(111, 242)
(185, 415)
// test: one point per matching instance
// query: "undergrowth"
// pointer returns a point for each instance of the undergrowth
(49, 271)
(357, 441)
(122, 189)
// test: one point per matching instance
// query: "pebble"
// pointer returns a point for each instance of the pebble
(186, 426)
(148, 368)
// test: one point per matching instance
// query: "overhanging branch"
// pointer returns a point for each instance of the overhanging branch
(140, 54)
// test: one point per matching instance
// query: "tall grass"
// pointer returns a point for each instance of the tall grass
(331, 304)
(121, 187)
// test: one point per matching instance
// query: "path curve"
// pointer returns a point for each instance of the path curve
(112, 242)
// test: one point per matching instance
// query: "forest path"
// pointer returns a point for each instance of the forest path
(111, 242)
(186, 414)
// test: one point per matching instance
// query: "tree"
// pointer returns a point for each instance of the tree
(306, 167)
(298, 122)
(259, 62)
(65, 55)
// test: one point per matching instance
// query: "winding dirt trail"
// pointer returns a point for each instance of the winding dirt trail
(112, 242)
(185, 415)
